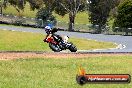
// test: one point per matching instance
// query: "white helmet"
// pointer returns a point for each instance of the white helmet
(47, 27)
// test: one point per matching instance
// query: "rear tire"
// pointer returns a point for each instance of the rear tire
(54, 47)
(73, 48)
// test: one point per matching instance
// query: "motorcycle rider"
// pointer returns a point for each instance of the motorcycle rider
(50, 31)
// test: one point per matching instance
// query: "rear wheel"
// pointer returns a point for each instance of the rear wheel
(54, 47)
(73, 48)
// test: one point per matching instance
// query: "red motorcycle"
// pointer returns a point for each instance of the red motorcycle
(57, 44)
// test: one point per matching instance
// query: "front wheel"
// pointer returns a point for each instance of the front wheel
(54, 47)
(73, 48)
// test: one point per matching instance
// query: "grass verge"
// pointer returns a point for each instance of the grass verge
(26, 12)
(20, 41)
(61, 73)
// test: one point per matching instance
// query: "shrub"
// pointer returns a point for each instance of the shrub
(46, 17)
(123, 19)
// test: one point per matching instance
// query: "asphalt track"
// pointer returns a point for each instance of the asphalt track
(124, 42)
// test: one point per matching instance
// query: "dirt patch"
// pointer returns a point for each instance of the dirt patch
(11, 56)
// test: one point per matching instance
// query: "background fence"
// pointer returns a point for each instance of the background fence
(38, 23)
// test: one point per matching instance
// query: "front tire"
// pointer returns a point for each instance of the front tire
(54, 47)
(73, 48)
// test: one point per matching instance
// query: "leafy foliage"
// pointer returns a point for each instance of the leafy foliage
(71, 7)
(19, 4)
(35, 4)
(60, 10)
(124, 16)
(100, 10)
(46, 16)
(67, 6)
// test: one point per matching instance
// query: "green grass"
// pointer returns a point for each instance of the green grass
(61, 73)
(81, 18)
(20, 41)
(26, 12)
(91, 44)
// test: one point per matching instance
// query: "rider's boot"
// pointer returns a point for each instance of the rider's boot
(65, 45)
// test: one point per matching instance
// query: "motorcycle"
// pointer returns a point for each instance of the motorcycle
(57, 44)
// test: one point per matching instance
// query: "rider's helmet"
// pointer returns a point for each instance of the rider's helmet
(48, 29)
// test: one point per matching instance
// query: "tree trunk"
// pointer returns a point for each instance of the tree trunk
(71, 22)
(100, 29)
(1, 10)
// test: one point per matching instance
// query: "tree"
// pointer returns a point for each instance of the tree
(44, 14)
(1, 5)
(2, 2)
(36, 4)
(44, 17)
(49, 4)
(99, 12)
(123, 19)
(70, 7)
(17, 4)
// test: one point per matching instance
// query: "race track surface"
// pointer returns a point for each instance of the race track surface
(124, 42)
(61, 55)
